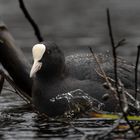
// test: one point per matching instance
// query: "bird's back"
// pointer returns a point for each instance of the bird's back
(84, 67)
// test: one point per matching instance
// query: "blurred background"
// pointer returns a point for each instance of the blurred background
(74, 25)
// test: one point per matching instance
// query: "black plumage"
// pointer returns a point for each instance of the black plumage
(60, 74)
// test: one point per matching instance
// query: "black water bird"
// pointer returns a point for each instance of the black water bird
(54, 74)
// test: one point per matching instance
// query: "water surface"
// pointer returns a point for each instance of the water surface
(73, 25)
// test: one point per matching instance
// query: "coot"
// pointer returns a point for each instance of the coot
(54, 74)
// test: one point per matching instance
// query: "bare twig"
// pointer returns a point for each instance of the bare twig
(22, 94)
(123, 98)
(121, 86)
(103, 74)
(9, 89)
(113, 49)
(120, 43)
(1, 82)
(98, 63)
(115, 70)
(109, 82)
(136, 72)
(31, 21)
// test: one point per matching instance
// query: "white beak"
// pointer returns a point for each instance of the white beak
(38, 50)
(35, 68)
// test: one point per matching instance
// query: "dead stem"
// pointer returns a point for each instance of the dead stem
(23, 95)
(115, 71)
(120, 43)
(1, 82)
(103, 74)
(136, 72)
(31, 21)
(113, 49)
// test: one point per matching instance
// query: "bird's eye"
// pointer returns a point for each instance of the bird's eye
(49, 51)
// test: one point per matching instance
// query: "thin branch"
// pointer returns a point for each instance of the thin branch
(115, 70)
(123, 98)
(22, 94)
(113, 48)
(136, 72)
(31, 21)
(103, 73)
(120, 43)
(8, 89)
(97, 60)
(1, 82)
(109, 86)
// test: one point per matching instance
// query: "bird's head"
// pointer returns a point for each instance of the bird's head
(48, 60)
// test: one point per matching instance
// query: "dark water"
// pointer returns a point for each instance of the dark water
(73, 25)
(18, 121)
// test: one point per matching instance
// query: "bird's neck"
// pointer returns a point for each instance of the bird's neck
(51, 75)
